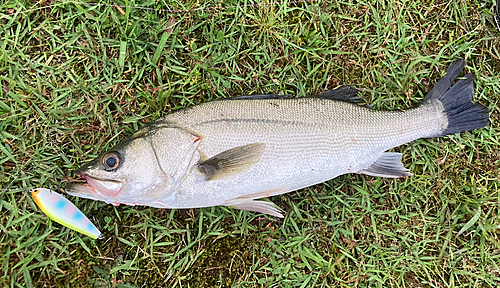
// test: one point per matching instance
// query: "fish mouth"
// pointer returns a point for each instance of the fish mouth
(96, 187)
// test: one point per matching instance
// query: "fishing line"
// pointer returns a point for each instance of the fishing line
(177, 11)
(497, 16)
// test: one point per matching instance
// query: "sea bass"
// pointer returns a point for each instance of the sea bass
(232, 152)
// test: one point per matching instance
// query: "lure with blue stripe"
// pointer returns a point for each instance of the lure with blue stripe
(61, 210)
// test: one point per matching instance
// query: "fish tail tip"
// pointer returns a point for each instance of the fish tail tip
(462, 114)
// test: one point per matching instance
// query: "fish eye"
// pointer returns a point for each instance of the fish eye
(111, 161)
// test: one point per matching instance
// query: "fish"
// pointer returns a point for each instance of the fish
(235, 151)
(62, 211)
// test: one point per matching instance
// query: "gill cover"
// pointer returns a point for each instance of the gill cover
(145, 167)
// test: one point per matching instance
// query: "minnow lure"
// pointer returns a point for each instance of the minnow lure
(61, 210)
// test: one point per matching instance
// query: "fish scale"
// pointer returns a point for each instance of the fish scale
(233, 152)
(301, 153)
(379, 129)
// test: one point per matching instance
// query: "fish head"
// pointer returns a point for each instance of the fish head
(142, 169)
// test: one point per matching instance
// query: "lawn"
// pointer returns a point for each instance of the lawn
(77, 78)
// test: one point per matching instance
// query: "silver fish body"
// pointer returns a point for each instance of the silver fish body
(232, 152)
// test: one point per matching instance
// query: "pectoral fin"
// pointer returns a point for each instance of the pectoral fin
(232, 161)
(388, 165)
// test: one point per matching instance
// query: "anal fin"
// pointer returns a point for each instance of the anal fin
(388, 165)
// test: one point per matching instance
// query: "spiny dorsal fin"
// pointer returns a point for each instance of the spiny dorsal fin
(388, 165)
(263, 96)
(232, 161)
(345, 94)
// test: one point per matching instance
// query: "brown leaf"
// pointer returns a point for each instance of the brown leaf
(170, 24)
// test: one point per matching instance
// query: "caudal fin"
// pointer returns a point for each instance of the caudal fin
(463, 115)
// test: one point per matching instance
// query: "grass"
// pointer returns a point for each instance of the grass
(78, 78)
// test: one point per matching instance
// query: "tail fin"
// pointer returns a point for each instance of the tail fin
(463, 115)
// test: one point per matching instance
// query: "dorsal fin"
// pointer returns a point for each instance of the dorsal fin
(262, 96)
(345, 94)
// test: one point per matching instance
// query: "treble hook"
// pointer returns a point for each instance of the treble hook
(59, 186)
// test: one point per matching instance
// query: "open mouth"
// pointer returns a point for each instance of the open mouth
(107, 188)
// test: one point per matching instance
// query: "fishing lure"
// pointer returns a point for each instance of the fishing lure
(61, 210)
